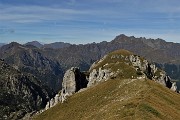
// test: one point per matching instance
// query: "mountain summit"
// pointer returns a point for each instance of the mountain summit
(35, 43)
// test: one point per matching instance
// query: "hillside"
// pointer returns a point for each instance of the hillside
(121, 85)
(20, 93)
(118, 99)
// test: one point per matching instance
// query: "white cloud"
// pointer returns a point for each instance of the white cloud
(36, 13)
(100, 19)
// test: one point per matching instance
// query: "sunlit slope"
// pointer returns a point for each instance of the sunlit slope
(118, 99)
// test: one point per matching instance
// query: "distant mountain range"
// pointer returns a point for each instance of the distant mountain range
(50, 63)
(55, 45)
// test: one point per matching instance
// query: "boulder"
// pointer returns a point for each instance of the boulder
(174, 87)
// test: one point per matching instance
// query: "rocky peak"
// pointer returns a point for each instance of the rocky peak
(121, 38)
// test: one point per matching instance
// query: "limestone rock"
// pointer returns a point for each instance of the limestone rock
(150, 71)
(174, 87)
(73, 81)
(98, 75)
(53, 102)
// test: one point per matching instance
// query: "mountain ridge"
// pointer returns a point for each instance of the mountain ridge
(166, 56)
(118, 79)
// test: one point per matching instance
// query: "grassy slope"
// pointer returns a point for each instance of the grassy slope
(118, 99)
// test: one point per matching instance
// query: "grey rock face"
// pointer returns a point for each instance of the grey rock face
(174, 87)
(150, 71)
(98, 75)
(52, 102)
(73, 81)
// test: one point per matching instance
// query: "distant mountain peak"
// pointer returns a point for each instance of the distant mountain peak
(121, 36)
(34, 43)
(57, 45)
(14, 44)
(10, 46)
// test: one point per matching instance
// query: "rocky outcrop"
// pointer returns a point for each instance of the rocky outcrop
(52, 102)
(99, 75)
(141, 65)
(152, 72)
(73, 81)
(174, 87)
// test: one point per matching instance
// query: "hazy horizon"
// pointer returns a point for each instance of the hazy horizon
(43, 43)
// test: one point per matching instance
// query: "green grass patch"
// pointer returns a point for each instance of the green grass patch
(149, 109)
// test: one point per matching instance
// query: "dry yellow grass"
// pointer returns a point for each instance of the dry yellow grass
(118, 99)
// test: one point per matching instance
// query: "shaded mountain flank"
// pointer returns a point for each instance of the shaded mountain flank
(121, 85)
(20, 93)
(32, 60)
(165, 55)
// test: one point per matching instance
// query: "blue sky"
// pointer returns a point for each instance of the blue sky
(86, 21)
